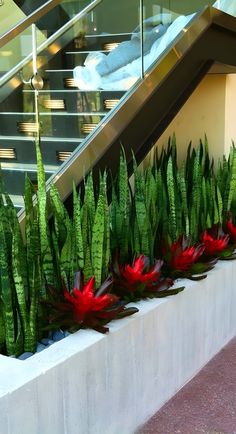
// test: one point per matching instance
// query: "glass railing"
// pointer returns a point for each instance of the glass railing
(12, 12)
(87, 63)
(228, 6)
(19, 48)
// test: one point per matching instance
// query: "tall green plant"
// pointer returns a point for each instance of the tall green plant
(120, 211)
(45, 245)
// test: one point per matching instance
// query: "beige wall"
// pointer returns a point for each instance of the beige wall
(230, 112)
(210, 110)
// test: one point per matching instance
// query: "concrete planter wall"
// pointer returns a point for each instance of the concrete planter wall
(94, 384)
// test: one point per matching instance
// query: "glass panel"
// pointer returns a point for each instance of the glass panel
(14, 11)
(10, 15)
(17, 50)
(85, 72)
(228, 6)
(60, 15)
(21, 46)
(163, 21)
(111, 41)
(89, 76)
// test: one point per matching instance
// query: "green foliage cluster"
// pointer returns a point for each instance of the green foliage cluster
(166, 201)
(48, 252)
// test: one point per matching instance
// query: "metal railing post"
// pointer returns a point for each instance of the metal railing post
(141, 36)
(35, 72)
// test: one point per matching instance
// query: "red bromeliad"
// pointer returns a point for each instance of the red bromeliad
(85, 307)
(140, 280)
(136, 274)
(85, 301)
(182, 258)
(232, 230)
(214, 246)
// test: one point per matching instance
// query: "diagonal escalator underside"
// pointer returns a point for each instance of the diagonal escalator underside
(145, 112)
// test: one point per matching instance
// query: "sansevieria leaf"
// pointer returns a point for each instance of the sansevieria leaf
(98, 238)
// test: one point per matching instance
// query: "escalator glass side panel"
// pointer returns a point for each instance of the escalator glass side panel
(12, 12)
(227, 6)
(167, 19)
(17, 49)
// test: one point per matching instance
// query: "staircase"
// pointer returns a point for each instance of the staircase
(67, 115)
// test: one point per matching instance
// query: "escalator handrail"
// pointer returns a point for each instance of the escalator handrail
(13, 71)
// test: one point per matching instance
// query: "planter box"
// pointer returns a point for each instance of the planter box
(89, 383)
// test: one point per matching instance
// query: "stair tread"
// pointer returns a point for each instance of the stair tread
(71, 91)
(27, 167)
(86, 51)
(59, 113)
(103, 35)
(43, 139)
(59, 70)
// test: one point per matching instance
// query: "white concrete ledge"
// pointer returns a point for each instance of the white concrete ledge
(89, 383)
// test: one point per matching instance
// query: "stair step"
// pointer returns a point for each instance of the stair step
(24, 167)
(66, 91)
(106, 35)
(55, 114)
(20, 152)
(14, 181)
(85, 52)
(58, 70)
(43, 139)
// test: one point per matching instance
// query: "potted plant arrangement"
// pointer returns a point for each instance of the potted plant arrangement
(78, 271)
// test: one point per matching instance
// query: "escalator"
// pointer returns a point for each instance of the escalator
(83, 116)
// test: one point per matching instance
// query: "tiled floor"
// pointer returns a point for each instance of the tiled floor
(206, 405)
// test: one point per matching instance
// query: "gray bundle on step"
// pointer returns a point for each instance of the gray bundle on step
(128, 51)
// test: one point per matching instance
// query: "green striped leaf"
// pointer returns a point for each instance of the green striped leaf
(98, 238)
(45, 246)
(78, 238)
(171, 198)
(9, 308)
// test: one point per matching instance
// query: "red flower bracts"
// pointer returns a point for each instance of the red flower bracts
(85, 301)
(84, 307)
(214, 246)
(140, 280)
(232, 230)
(136, 273)
(182, 258)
